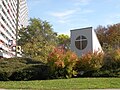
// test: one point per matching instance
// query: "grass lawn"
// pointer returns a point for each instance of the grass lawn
(63, 84)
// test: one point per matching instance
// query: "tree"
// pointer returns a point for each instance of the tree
(64, 40)
(109, 35)
(113, 35)
(101, 34)
(37, 39)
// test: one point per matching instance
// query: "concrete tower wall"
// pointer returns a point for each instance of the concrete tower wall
(84, 40)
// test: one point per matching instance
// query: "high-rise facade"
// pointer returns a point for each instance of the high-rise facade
(8, 19)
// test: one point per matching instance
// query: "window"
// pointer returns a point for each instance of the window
(81, 42)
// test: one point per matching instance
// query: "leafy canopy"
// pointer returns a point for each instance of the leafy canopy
(37, 39)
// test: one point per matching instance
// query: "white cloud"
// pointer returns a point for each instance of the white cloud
(112, 19)
(115, 16)
(63, 14)
(81, 2)
(69, 15)
(63, 17)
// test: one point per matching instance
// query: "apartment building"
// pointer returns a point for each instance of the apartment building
(8, 16)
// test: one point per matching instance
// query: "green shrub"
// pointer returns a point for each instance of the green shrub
(107, 73)
(90, 61)
(111, 65)
(33, 72)
(4, 76)
(22, 69)
(99, 73)
(112, 59)
(62, 63)
(9, 65)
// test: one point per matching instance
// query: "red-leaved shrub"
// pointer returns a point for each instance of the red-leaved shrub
(62, 63)
(90, 61)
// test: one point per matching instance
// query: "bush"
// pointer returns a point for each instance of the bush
(62, 63)
(107, 73)
(33, 72)
(90, 61)
(4, 76)
(112, 59)
(9, 65)
(22, 69)
(111, 65)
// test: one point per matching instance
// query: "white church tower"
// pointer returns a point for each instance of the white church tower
(84, 40)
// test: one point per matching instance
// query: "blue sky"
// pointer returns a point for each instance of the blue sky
(66, 15)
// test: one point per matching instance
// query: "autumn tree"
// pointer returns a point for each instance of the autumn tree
(113, 35)
(109, 35)
(37, 39)
(101, 34)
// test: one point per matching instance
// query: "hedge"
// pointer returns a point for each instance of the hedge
(22, 69)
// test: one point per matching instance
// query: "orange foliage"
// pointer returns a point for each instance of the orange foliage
(62, 62)
(90, 61)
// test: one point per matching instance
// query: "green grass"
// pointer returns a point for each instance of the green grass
(64, 84)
